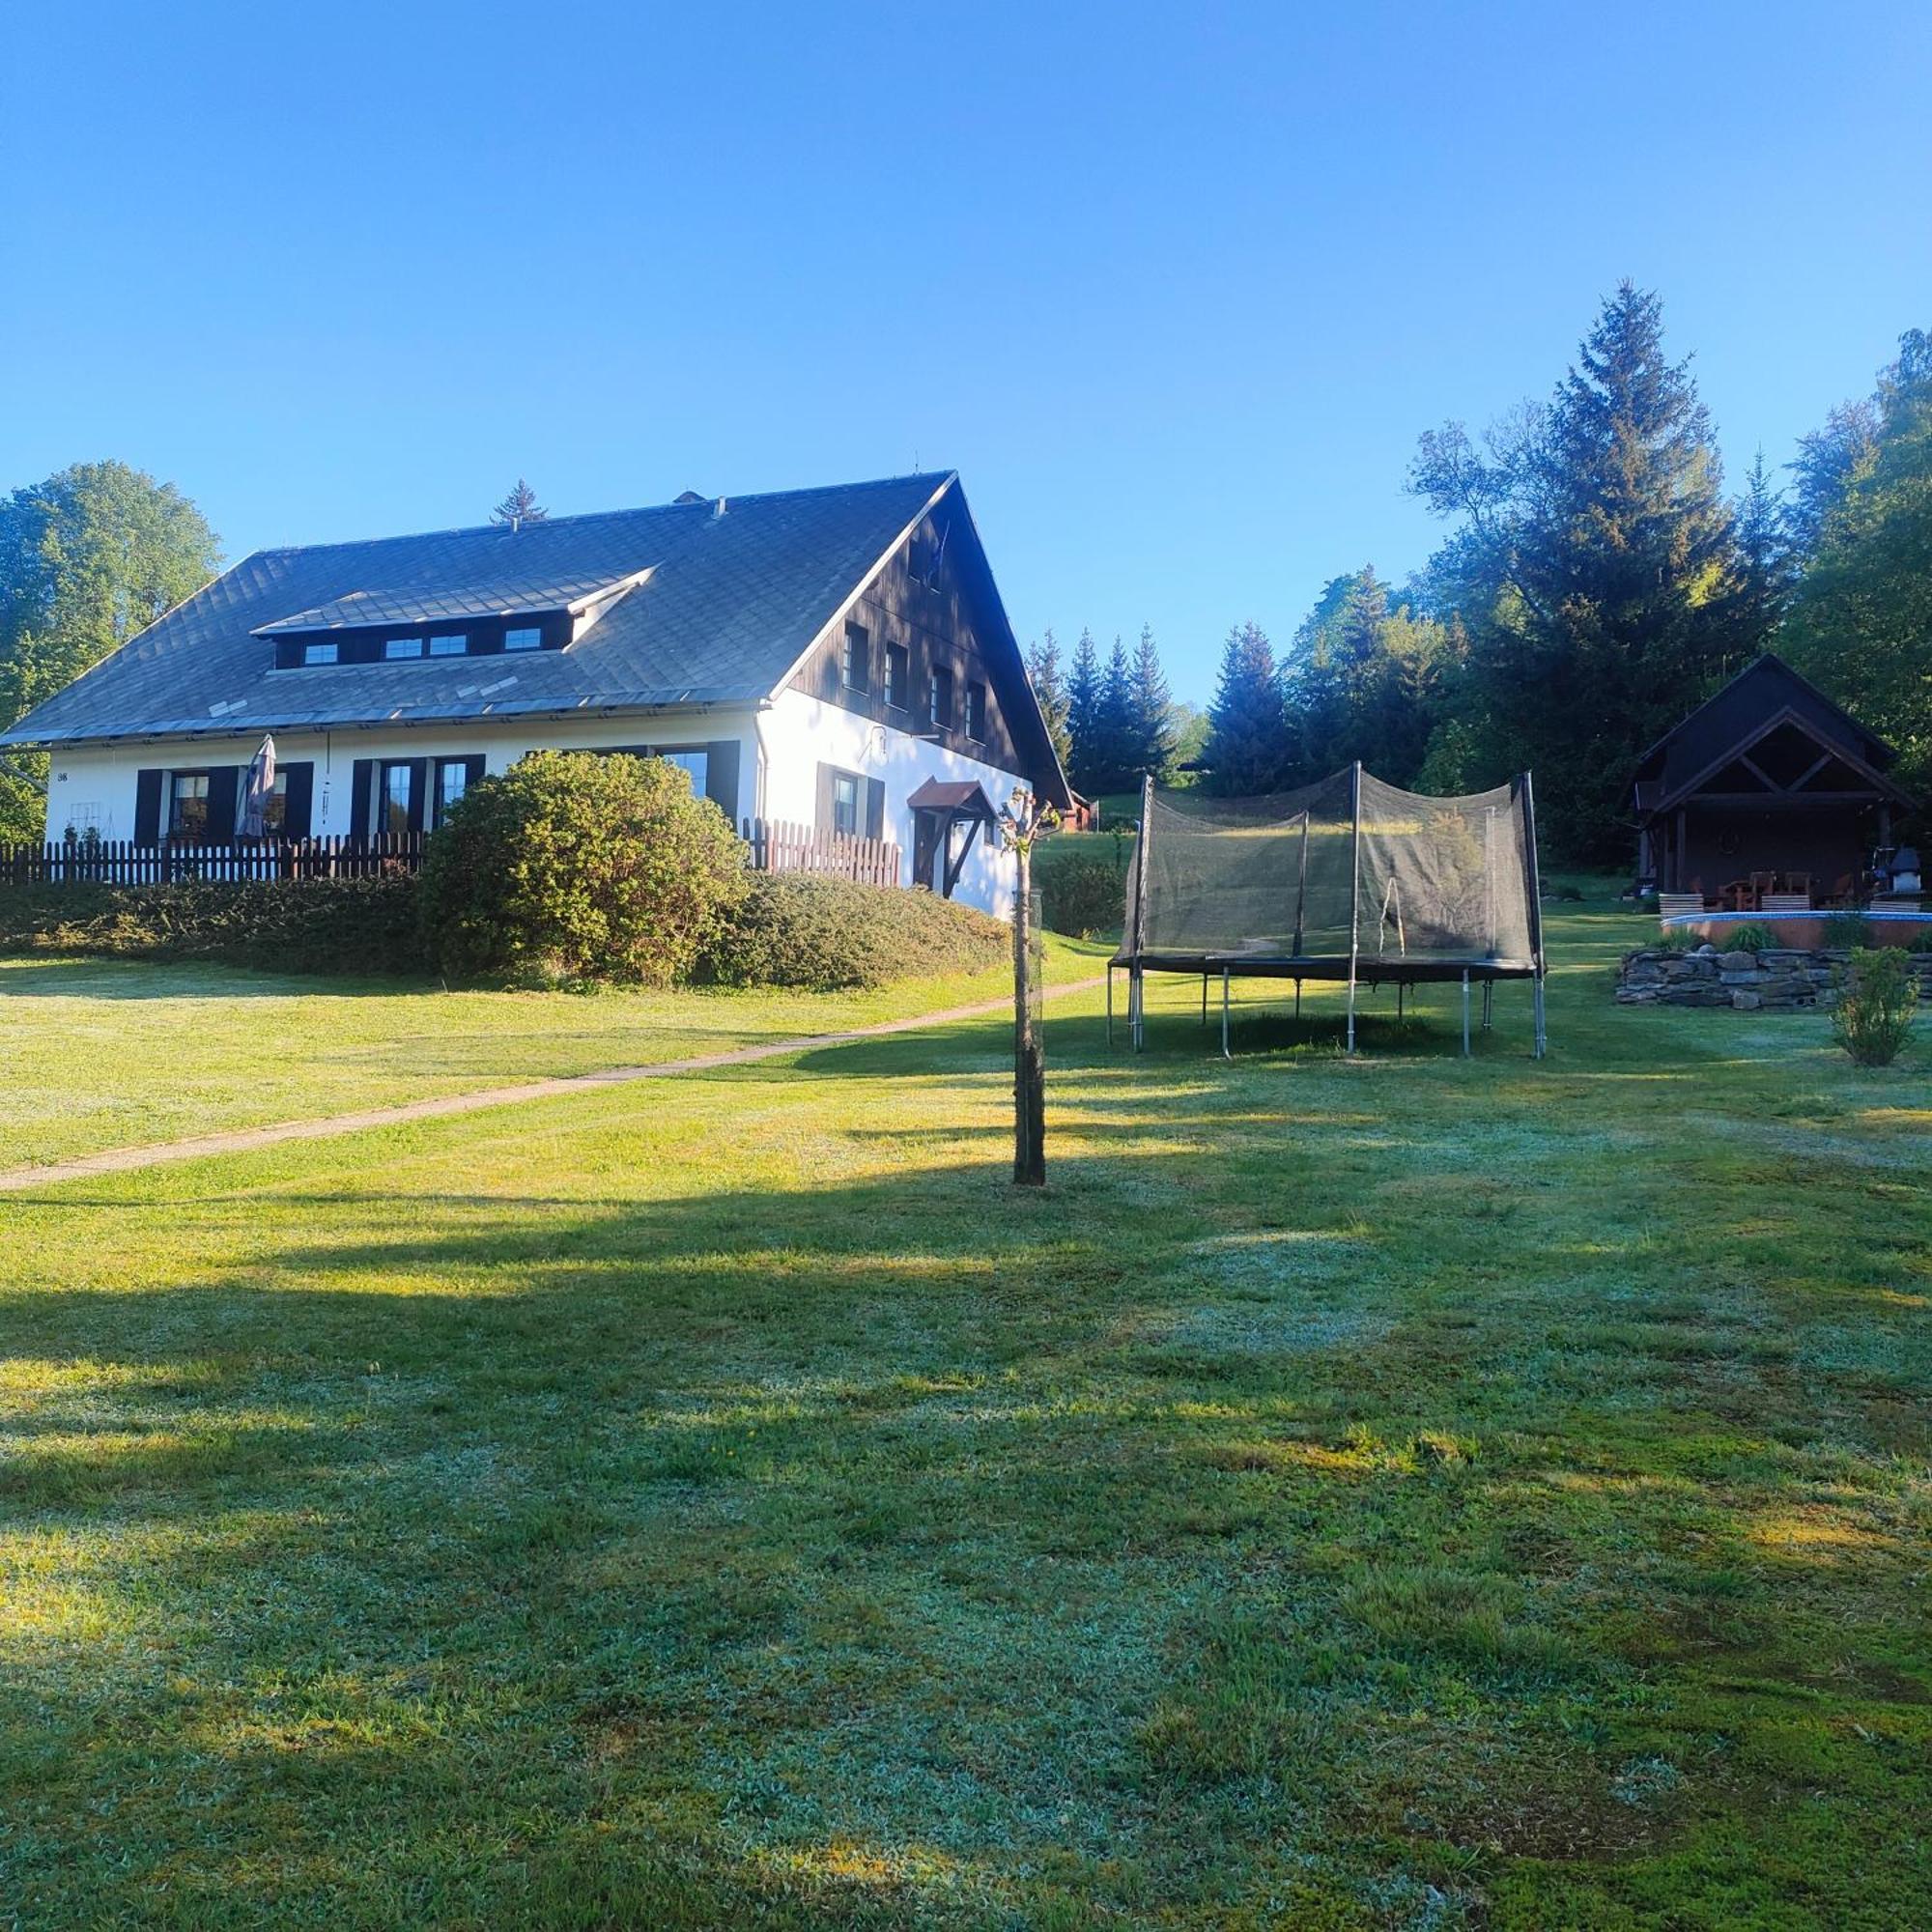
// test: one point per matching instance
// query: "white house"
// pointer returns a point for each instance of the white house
(838, 658)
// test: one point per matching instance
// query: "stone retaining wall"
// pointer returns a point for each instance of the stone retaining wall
(1778, 979)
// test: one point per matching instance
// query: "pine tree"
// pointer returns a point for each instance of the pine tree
(1049, 689)
(1247, 746)
(519, 507)
(1083, 708)
(1150, 712)
(1114, 766)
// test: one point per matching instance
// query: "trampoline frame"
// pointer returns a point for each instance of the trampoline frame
(1350, 967)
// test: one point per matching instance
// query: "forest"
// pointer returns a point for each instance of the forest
(1594, 581)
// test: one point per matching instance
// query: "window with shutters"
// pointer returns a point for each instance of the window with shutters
(452, 780)
(395, 782)
(846, 804)
(899, 677)
(187, 805)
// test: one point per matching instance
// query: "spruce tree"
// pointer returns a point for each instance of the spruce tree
(1766, 566)
(519, 507)
(1083, 714)
(1115, 768)
(1247, 748)
(1149, 709)
(1049, 690)
(1598, 557)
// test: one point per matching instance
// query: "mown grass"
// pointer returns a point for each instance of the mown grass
(112, 1053)
(1412, 1492)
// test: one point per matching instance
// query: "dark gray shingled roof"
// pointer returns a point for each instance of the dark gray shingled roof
(730, 604)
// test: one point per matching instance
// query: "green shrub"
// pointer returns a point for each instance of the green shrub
(1877, 991)
(1748, 939)
(792, 929)
(283, 925)
(1082, 896)
(1849, 929)
(572, 867)
(1678, 939)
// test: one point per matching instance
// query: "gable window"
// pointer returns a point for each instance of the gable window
(976, 712)
(187, 805)
(857, 664)
(899, 677)
(846, 804)
(523, 638)
(942, 698)
(318, 654)
(448, 647)
(401, 647)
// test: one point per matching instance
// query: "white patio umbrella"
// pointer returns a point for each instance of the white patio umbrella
(258, 785)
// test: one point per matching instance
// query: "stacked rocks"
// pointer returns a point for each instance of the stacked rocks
(1778, 977)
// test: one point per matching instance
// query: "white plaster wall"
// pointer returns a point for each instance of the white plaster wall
(800, 731)
(103, 778)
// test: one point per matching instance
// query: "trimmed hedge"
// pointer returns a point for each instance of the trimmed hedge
(1082, 896)
(283, 925)
(793, 929)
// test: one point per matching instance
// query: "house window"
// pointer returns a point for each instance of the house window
(187, 805)
(452, 780)
(976, 712)
(318, 654)
(401, 647)
(858, 660)
(523, 638)
(846, 804)
(392, 799)
(275, 807)
(942, 700)
(453, 646)
(696, 763)
(899, 677)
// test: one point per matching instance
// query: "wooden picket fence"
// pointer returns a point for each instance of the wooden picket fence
(777, 845)
(113, 861)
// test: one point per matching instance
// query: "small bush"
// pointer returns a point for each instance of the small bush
(792, 929)
(1082, 896)
(281, 925)
(1846, 930)
(1678, 939)
(1749, 939)
(1877, 993)
(572, 867)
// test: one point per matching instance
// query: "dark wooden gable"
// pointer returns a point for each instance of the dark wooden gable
(935, 601)
(1769, 732)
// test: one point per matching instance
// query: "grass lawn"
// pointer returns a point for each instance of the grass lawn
(1403, 1493)
(105, 1053)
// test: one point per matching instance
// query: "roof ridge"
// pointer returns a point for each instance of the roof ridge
(931, 477)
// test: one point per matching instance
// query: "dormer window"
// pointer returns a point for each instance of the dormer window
(454, 646)
(318, 654)
(401, 647)
(523, 638)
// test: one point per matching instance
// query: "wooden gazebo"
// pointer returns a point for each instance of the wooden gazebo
(1767, 785)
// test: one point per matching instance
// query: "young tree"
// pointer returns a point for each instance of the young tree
(519, 507)
(1150, 705)
(1247, 747)
(1049, 689)
(87, 559)
(1598, 570)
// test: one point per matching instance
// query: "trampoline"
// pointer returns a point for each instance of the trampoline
(1348, 880)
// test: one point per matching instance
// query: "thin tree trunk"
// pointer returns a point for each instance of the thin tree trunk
(1028, 1062)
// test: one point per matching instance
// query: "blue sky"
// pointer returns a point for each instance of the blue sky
(1174, 289)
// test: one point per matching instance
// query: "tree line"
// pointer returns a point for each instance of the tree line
(1594, 582)
(1115, 722)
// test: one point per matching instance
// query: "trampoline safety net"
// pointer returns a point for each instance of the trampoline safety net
(1346, 867)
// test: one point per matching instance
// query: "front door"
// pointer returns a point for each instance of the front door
(927, 851)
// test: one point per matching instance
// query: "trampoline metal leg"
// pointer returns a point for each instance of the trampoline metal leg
(1398, 999)
(1110, 1002)
(1541, 1038)
(1226, 1052)
(1351, 1013)
(1138, 999)
(1297, 999)
(1203, 999)
(1466, 1016)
